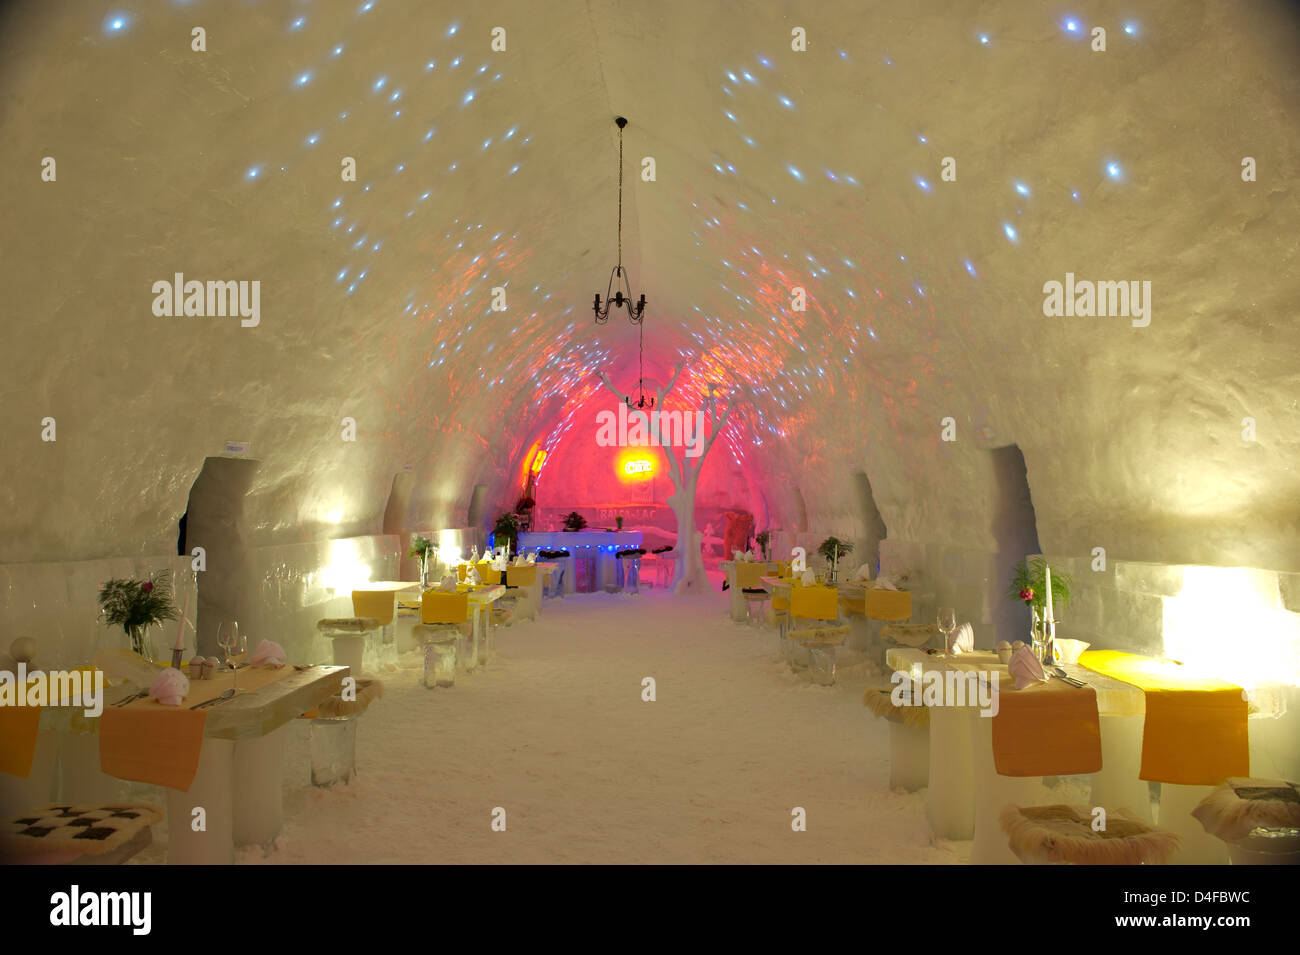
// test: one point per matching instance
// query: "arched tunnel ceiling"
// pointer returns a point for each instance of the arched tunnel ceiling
(775, 169)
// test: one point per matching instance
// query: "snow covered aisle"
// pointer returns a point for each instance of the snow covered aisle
(556, 733)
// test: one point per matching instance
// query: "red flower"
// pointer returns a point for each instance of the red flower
(147, 586)
(1027, 595)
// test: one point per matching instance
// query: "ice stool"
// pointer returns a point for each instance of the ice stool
(909, 739)
(629, 562)
(379, 604)
(349, 635)
(86, 834)
(445, 620)
(1258, 819)
(1056, 835)
(333, 734)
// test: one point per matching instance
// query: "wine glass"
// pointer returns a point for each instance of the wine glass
(947, 621)
(235, 644)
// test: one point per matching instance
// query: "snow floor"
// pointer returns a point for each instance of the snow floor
(555, 732)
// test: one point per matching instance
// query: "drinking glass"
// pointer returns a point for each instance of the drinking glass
(947, 621)
(235, 644)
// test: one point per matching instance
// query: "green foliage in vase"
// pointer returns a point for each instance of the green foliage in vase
(573, 521)
(762, 538)
(506, 529)
(420, 546)
(136, 604)
(832, 548)
(1031, 577)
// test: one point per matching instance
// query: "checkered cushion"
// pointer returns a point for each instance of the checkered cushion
(88, 829)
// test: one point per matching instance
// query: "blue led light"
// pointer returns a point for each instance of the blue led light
(428, 136)
(984, 39)
(254, 172)
(765, 61)
(1022, 188)
(468, 98)
(367, 6)
(749, 77)
(1114, 171)
(304, 78)
(794, 172)
(970, 267)
(510, 132)
(379, 83)
(313, 139)
(116, 22)
(1131, 28)
(337, 202)
(786, 102)
(451, 30)
(1074, 193)
(921, 138)
(925, 186)
(297, 24)
(455, 63)
(337, 50)
(431, 64)
(1010, 231)
(1071, 25)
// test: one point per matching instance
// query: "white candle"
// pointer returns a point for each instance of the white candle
(180, 631)
(1048, 609)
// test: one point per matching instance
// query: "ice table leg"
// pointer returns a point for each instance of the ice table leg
(211, 791)
(909, 757)
(21, 795)
(949, 800)
(1117, 784)
(992, 793)
(80, 778)
(1198, 847)
(259, 779)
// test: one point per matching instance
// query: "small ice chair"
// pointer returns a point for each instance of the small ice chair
(1055, 835)
(1258, 819)
(332, 740)
(749, 576)
(349, 635)
(814, 626)
(629, 562)
(380, 604)
(448, 614)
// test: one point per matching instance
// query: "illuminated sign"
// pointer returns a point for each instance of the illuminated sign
(638, 466)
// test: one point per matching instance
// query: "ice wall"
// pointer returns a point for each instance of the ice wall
(775, 171)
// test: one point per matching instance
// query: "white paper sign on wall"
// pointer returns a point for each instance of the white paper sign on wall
(238, 447)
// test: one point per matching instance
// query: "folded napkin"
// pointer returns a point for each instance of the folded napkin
(268, 654)
(962, 640)
(472, 577)
(170, 687)
(448, 585)
(1025, 668)
(808, 578)
(896, 581)
(863, 573)
(531, 559)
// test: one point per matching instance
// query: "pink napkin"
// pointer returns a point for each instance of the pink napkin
(169, 687)
(268, 654)
(963, 640)
(1025, 668)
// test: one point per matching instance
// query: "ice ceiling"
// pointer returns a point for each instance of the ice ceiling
(774, 170)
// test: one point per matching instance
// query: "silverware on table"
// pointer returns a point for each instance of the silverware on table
(225, 695)
(132, 698)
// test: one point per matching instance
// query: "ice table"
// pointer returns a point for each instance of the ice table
(241, 767)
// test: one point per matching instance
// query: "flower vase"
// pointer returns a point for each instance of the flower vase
(1038, 636)
(141, 641)
(424, 571)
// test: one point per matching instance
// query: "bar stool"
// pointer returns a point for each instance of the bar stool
(1054, 835)
(629, 562)
(661, 567)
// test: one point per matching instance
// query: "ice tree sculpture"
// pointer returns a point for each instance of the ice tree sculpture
(684, 471)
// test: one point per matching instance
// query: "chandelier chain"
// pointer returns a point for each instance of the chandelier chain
(620, 199)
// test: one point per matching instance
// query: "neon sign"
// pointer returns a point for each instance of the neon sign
(638, 466)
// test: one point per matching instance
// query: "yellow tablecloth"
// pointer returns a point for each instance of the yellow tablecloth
(1047, 729)
(151, 743)
(1195, 732)
(19, 726)
(814, 603)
